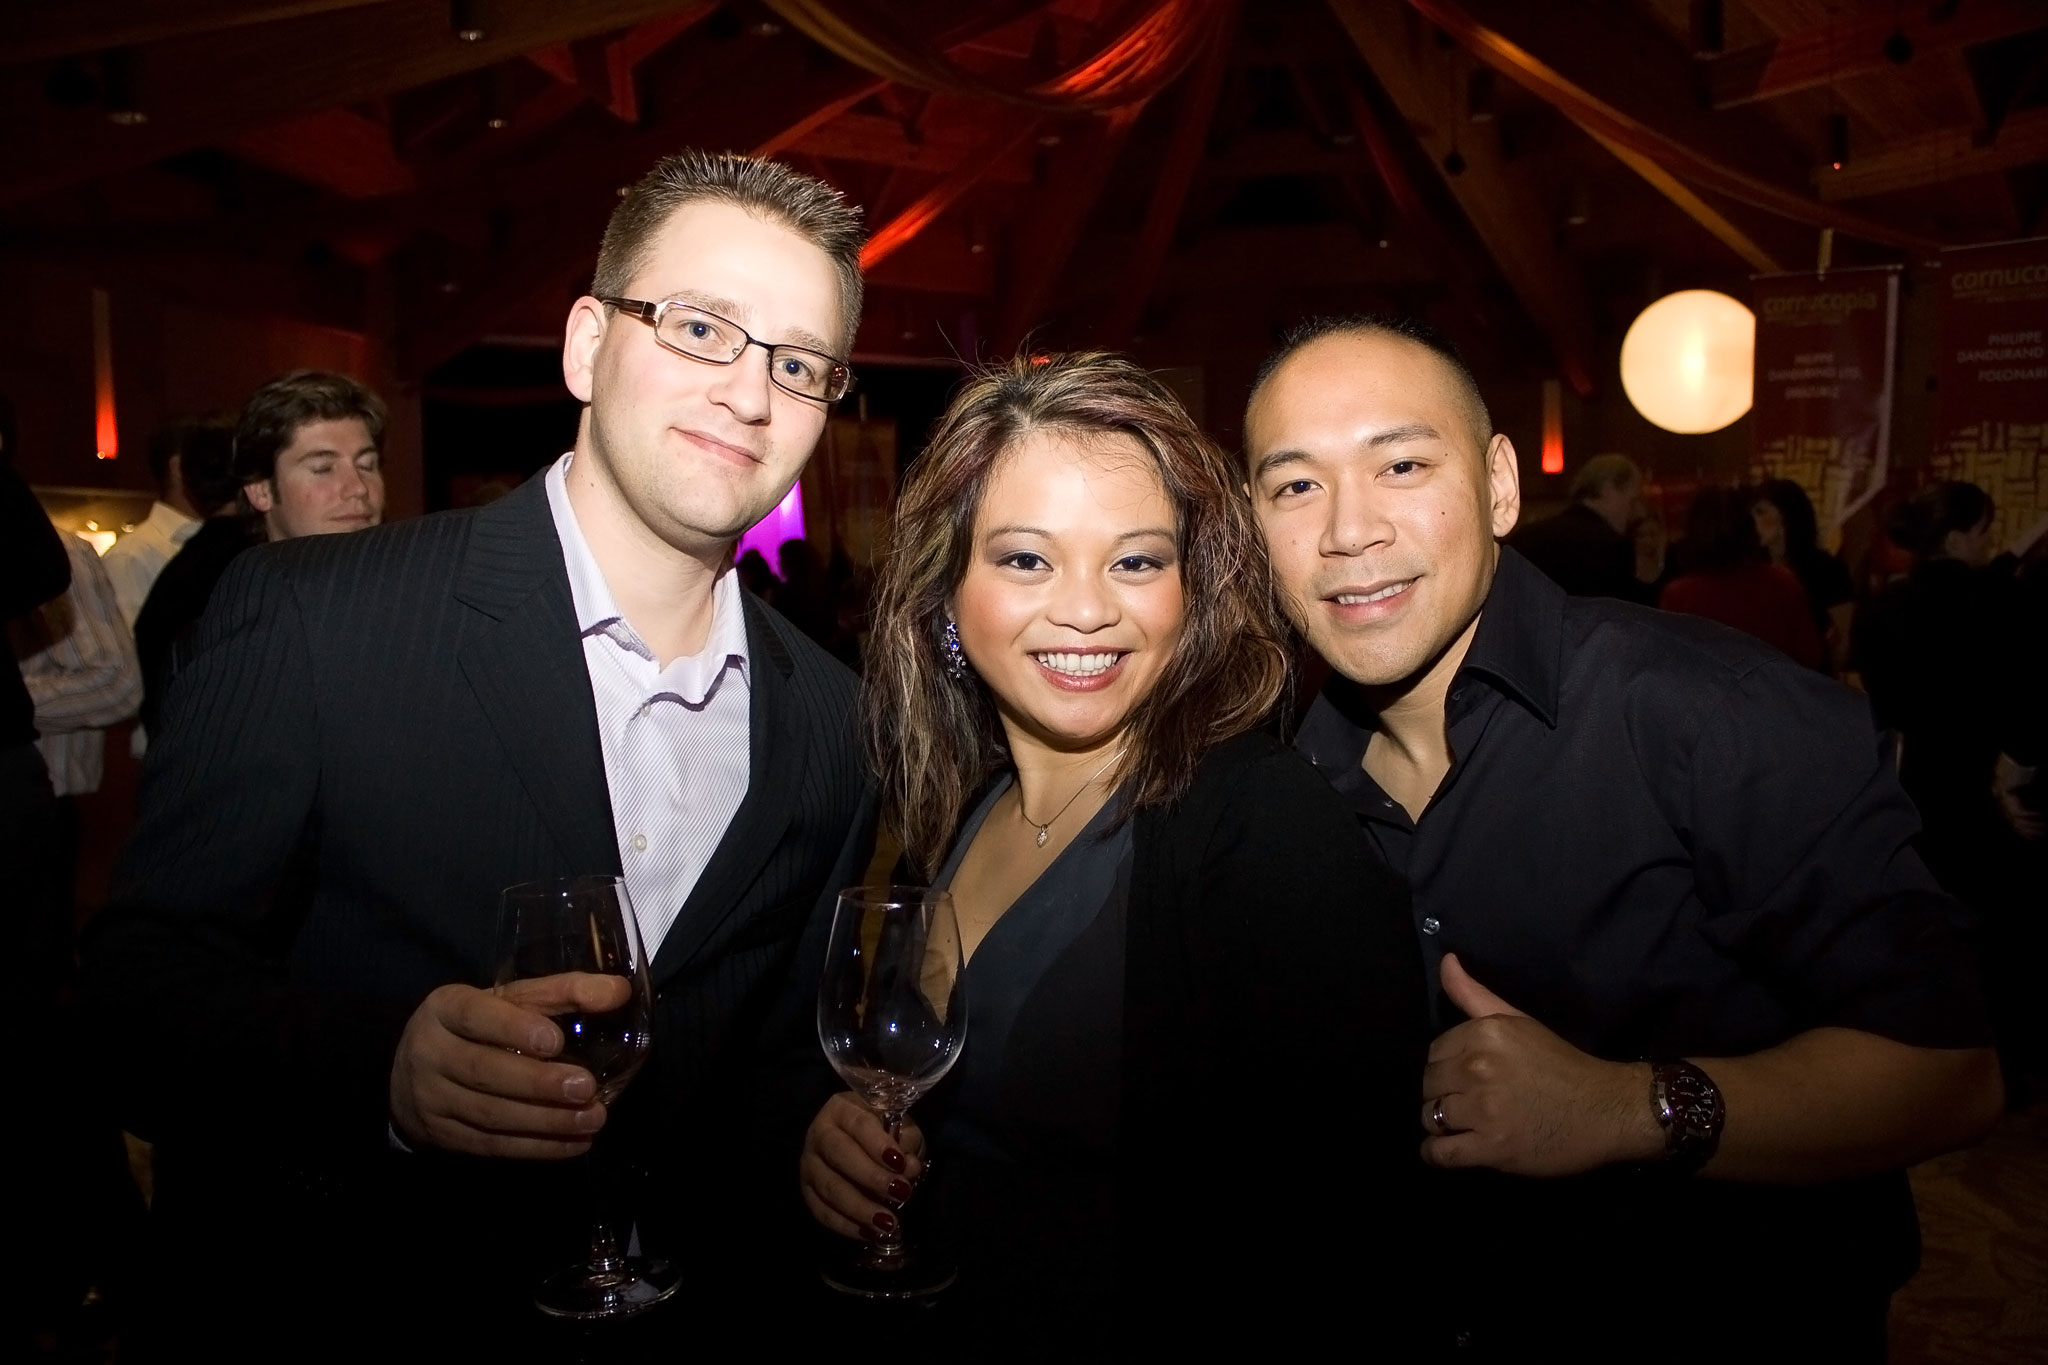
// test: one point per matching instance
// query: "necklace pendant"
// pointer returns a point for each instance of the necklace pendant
(1041, 836)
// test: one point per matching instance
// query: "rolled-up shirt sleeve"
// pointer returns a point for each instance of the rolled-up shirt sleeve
(1803, 846)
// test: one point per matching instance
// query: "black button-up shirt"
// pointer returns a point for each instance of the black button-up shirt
(1662, 838)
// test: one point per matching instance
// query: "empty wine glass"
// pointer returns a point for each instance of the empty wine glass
(586, 924)
(892, 1016)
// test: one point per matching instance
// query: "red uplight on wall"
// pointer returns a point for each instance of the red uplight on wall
(106, 435)
(1553, 427)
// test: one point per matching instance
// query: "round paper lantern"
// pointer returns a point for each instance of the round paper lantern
(1688, 362)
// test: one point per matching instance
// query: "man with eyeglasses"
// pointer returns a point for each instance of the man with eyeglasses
(377, 733)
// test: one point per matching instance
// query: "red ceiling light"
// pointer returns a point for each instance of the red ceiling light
(1553, 427)
(106, 434)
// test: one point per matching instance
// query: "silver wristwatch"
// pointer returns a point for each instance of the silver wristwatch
(1689, 1109)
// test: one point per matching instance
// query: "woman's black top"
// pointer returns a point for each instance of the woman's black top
(1828, 585)
(1023, 1130)
(1188, 1111)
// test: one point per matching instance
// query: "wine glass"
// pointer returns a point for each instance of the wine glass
(586, 924)
(892, 1016)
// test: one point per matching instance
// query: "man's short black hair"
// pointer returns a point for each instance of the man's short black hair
(207, 463)
(276, 411)
(1386, 324)
(173, 440)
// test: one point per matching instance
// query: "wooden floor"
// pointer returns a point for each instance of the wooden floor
(1982, 1291)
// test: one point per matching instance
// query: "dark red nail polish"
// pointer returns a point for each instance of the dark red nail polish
(886, 1222)
(899, 1190)
(893, 1159)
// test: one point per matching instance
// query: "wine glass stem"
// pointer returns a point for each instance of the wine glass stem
(604, 1243)
(890, 1244)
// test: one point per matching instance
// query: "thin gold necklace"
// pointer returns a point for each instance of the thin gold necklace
(1044, 830)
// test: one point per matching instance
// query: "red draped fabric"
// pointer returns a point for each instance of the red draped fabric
(1132, 67)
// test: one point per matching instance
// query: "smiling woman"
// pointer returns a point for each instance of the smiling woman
(1076, 641)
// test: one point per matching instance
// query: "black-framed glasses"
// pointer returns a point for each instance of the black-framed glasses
(691, 331)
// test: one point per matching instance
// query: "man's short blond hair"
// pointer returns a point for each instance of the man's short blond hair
(804, 204)
(1601, 473)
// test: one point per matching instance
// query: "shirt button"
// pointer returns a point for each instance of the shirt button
(1430, 924)
(639, 843)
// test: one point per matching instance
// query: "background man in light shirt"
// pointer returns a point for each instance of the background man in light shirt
(376, 733)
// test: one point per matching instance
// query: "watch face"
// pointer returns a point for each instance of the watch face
(1691, 1111)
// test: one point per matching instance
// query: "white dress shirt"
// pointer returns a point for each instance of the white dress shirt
(675, 738)
(83, 674)
(133, 562)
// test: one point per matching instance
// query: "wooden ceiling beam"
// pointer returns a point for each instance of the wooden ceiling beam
(1043, 240)
(1504, 208)
(1939, 157)
(1603, 118)
(37, 30)
(335, 149)
(878, 140)
(199, 90)
(1012, 131)
(1199, 89)
(1814, 56)
(1432, 243)
(1692, 206)
(604, 68)
(781, 89)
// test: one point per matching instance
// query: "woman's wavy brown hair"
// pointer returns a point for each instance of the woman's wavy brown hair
(935, 741)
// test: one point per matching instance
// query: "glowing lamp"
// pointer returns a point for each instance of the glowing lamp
(1688, 362)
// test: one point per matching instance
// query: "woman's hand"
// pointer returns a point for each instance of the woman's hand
(853, 1174)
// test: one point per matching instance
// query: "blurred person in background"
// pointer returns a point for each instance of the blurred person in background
(1943, 652)
(79, 662)
(133, 562)
(1587, 549)
(1726, 576)
(34, 569)
(308, 452)
(804, 596)
(1790, 532)
(185, 586)
(755, 575)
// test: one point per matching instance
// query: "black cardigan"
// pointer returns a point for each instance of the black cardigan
(1269, 1181)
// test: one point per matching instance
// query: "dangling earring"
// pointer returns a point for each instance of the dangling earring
(956, 661)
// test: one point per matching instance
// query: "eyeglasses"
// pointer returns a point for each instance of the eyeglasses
(690, 331)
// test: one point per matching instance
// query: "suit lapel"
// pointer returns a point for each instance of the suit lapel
(524, 664)
(775, 764)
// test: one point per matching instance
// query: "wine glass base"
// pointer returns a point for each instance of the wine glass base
(902, 1273)
(584, 1294)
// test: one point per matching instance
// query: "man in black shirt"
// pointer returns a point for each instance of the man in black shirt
(1587, 549)
(1701, 1003)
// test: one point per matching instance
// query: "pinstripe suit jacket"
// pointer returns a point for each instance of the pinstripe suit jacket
(370, 736)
